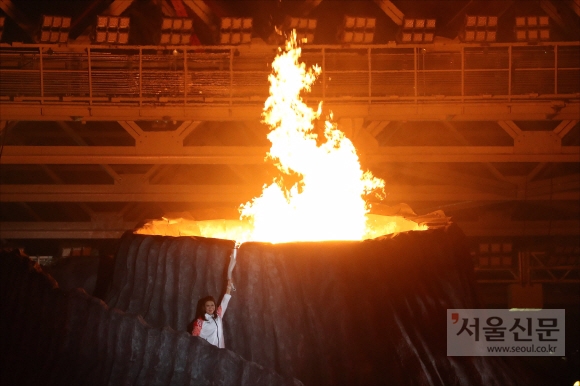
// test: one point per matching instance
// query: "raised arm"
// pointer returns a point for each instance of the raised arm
(226, 299)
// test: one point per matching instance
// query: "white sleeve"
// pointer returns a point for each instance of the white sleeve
(224, 304)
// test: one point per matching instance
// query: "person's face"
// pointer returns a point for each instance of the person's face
(209, 307)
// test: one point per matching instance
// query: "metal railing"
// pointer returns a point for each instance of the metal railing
(144, 75)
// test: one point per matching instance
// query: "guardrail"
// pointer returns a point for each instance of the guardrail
(89, 74)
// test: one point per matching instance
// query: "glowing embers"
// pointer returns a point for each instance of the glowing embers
(112, 30)
(417, 31)
(479, 29)
(54, 29)
(183, 225)
(532, 28)
(327, 201)
(176, 31)
(235, 30)
(357, 30)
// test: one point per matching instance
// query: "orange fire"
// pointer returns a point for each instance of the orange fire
(328, 201)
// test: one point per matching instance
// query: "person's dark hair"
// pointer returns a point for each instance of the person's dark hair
(200, 313)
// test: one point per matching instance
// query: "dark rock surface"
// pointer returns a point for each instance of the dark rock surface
(75, 272)
(342, 313)
(55, 337)
(91, 273)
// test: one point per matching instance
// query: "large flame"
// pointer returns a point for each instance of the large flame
(327, 203)
(320, 191)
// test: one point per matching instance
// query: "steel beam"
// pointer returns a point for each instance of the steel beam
(575, 5)
(202, 11)
(138, 192)
(26, 155)
(132, 155)
(391, 11)
(307, 6)
(63, 230)
(19, 17)
(520, 228)
(377, 111)
(117, 7)
(81, 142)
(143, 192)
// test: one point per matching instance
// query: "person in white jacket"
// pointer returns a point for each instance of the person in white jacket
(208, 320)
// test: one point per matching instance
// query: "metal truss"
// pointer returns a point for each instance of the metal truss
(79, 77)
(134, 188)
(529, 267)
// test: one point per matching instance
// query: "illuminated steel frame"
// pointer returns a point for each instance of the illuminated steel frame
(145, 77)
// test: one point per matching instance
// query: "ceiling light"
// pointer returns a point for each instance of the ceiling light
(520, 21)
(305, 27)
(470, 21)
(420, 30)
(469, 35)
(56, 22)
(237, 23)
(187, 24)
(479, 28)
(358, 36)
(102, 21)
(360, 22)
(112, 29)
(111, 37)
(532, 28)
(357, 30)
(54, 29)
(63, 37)
(235, 30)
(46, 21)
(176, 31)
(349, 22)
(480, 35)
(54, 36)
(165, 38)
(113, 22)
(100, 36)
